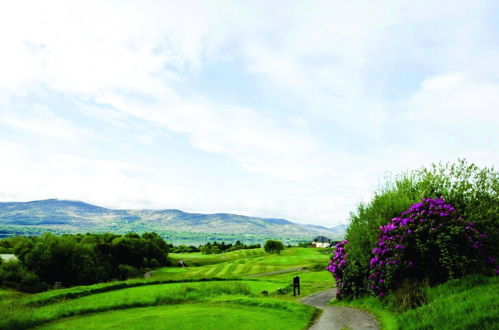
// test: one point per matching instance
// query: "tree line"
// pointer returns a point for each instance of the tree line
(79, 259)
(216, 248)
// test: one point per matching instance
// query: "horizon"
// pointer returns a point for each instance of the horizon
(276, 110)
(167, 209)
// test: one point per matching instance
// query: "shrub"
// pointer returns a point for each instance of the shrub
(127, 271)
(428, 243)
(14, 274)
(473, 192)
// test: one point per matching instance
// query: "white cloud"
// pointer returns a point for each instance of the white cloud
(126, 64)
(453, 99)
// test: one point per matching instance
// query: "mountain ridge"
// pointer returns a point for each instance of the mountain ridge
(79, 216)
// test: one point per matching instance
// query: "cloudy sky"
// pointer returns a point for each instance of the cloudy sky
(265, 108)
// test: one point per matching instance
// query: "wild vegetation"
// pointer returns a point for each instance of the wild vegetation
(422, 229)
(470, 192)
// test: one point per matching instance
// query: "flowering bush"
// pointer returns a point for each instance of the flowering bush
(428, 242)
(337, 264)
(472, 191)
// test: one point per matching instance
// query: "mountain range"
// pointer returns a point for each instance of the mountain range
(77, 216)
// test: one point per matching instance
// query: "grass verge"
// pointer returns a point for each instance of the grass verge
(468, 303)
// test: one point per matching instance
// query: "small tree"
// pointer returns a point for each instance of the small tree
(272, 246)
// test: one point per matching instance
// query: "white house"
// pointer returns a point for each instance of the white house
(321, 241)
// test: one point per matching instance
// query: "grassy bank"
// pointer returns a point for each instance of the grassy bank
(468, 303)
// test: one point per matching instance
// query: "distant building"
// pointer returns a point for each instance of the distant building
(321, 241)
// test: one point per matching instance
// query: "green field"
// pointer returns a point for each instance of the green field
(243, 262)
(224, 286)
(188, 316)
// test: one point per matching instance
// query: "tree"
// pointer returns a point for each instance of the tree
(272, 246)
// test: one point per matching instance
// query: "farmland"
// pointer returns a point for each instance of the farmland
(228, 285)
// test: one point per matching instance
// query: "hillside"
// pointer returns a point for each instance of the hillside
(76, 216)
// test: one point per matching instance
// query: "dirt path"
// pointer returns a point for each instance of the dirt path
(335, 317)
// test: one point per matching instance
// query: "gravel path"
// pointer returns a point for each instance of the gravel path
(335, 317)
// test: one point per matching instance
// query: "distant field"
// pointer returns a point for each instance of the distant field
(245, 262)
(151, 303)
(199, 259)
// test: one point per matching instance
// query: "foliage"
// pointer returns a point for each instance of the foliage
(85, 259)
(272, 246)
(13, 274)
(428, 243)
(473, 192)
(217, 248)
(337, 267)
(184, 249)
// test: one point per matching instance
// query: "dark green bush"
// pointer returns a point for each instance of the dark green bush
(127, 271)
(272, 246)
(13, 274)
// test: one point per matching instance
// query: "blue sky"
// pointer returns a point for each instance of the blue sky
(278, 109)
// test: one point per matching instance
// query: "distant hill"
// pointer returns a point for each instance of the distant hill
(76, 216)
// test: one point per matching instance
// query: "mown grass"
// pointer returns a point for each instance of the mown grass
(217, 315)
(198, 259)
(224, 283)
(243, 262)
(468, 303)
(236, 269)
(22, 316)
(52, 296)
(310, 281)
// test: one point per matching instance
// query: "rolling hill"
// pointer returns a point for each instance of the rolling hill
(76, 216)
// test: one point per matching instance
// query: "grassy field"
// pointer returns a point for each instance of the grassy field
(468, 303)
(188, 316)
(227, 285)
(243, 262)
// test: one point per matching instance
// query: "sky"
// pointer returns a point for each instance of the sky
(288, 109)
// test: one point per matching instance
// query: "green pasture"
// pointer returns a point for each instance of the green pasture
(196, 293)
